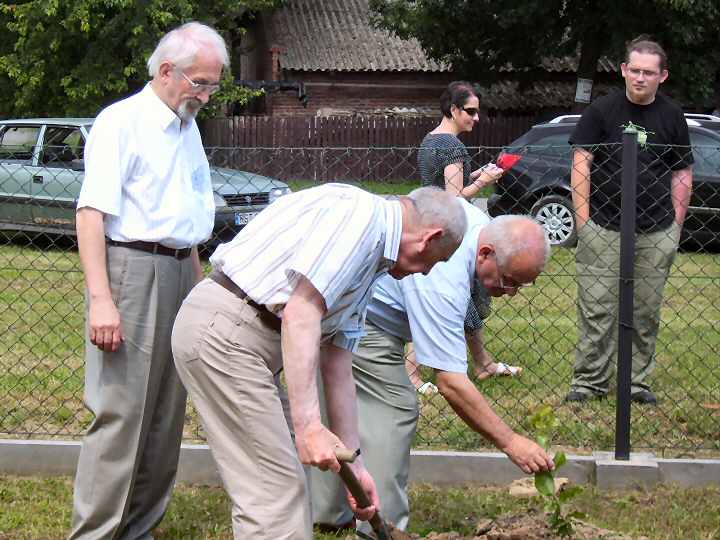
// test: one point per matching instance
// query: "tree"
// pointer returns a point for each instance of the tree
(72, 57)
(482, 38)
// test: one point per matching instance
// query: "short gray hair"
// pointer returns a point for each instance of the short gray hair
(181, 45)
(438, 208)
(509, 236)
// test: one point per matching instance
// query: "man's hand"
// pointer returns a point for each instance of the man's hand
(368, 485)
(527, 455)
(316, 446)
(105, 328)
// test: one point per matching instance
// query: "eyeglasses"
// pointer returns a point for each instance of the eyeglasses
(510, 284)
(507, 283)
(199, 88)
(472, 111)
(636, 72)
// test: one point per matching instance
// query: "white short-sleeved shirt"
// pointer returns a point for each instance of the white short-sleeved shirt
(341, 238)
(147, 174)
(430, 310)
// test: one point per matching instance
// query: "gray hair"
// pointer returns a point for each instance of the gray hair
(438, 208)
(512, 234)
(181, 45)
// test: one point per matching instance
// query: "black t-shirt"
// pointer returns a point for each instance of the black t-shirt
(437, 151)
(666, 149)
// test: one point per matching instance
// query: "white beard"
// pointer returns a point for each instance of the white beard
(188, 109)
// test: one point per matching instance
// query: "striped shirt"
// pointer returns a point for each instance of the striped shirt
(437, 151)
(148, 174)
(339, 237)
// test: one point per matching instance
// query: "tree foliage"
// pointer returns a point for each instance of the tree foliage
(72, 57)
(482, 37)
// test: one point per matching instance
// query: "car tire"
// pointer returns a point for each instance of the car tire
(556, 214)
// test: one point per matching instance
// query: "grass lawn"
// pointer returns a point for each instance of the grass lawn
(41, 364)
(35, 508)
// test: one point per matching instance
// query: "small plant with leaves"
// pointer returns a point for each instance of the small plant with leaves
(544, 423)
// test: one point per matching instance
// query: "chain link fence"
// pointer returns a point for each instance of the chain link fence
(42, 288)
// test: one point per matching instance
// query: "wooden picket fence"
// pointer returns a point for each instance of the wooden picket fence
(341, 148)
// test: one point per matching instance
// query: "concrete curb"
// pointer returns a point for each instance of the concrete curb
(59, 458)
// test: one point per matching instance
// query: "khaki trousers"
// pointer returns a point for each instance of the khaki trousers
(598, 269)
(228, 361)
(129, 456)
(388, 415)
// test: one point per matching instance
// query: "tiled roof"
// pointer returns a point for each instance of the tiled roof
(506, 95)
(335, 35)
(569, 64)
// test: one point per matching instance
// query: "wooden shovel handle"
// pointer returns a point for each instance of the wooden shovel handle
(357, 491)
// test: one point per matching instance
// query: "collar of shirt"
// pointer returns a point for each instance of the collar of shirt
(160, 110)
(393, 219)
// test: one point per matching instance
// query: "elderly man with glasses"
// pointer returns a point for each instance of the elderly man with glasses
(505, 254)
(145, 204)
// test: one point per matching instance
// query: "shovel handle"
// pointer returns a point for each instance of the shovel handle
(357, 491)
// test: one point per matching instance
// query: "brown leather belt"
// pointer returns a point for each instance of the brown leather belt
(153, 247)
(267, 317)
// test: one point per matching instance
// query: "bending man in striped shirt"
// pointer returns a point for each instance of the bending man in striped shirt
(307, 266)
(504, 254)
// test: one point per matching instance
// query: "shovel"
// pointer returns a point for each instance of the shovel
(382, 530)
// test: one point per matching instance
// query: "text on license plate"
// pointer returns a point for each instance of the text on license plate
(244, 218)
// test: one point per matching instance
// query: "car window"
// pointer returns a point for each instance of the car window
(706, 152)
(63, 144)
(18, 142)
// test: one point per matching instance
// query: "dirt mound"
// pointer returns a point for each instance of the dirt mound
(531, 526)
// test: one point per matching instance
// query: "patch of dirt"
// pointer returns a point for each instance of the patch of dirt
(530, 526)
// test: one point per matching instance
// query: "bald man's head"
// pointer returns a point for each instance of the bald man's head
(512, 251)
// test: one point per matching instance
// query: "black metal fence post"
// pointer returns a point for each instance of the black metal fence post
(625, 316)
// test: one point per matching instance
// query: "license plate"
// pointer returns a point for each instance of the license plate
(243, 218)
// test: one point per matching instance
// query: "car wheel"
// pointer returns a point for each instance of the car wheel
(556, 214)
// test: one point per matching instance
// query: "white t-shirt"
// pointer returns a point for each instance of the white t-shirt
(147, 174)
(430, 310)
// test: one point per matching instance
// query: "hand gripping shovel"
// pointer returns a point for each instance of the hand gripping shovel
(382, 530)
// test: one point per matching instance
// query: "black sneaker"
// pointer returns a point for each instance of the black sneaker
(577, 397)
(644, 397)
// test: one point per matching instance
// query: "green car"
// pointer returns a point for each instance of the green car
(41, 171)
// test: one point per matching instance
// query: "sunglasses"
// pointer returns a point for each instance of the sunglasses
(472, 111)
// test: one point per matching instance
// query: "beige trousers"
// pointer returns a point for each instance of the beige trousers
(228, 361)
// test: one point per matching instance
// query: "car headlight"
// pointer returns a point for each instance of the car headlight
(276, 193)
(219, 200)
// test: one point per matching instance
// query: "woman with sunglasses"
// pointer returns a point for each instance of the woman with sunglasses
(442, 158)
(444, 162)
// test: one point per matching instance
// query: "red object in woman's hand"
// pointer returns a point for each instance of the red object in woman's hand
(506, 161)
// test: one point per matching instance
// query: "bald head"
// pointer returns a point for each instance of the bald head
(512, 251)
(433, 226)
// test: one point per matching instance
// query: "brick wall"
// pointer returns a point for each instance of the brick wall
(359, 92)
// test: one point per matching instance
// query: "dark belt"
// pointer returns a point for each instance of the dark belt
(152, 247)
(267, 317)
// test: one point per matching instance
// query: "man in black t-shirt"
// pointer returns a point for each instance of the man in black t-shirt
(664, 182)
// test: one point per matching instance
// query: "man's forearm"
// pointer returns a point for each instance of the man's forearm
(197, 265)
(472, 407)
(681, 186)
(91, 246)
(580, 182)
(300, 349)
(340, 395)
